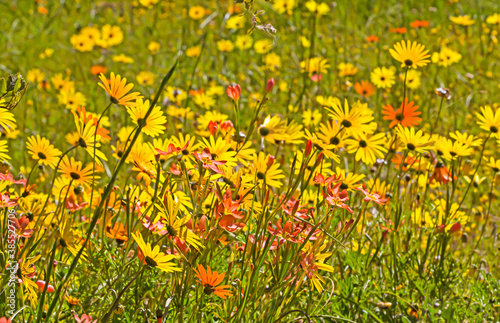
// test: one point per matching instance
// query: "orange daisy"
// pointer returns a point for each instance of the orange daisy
(364, 88)
(210, 280)
(406, 115)
(409, 162)
(118, 89)
(420, 24)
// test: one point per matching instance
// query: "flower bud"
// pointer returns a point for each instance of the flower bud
(455, 227)
(270, 85)
(270, 161)
(308, 148)
(234, 92)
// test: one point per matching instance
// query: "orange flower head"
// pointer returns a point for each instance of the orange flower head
(406, 115)
(364, 88)
(210, 281)
(98, 69)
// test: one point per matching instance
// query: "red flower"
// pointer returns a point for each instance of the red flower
(234, 92)
(21, 226)
(73, 205)
(335, 197)
(320, 179)
(288, 232)
(84, 319)
(10, 178)
(6, 201)
(172, 149)
(41, 286)
(207, 161)
(371, 196)
(440, 174)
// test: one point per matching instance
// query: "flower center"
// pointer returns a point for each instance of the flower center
(264, 131)
(261, 175)
(150, 261)
(400, 116)
(82, 143)
(208, 289)
(334, 141)
(363, 144)
(75, 176)
(493, 129)
(408, 62)
(410, 146)
(347, 123)
(63, 243)
(171, 230)
(41, 155)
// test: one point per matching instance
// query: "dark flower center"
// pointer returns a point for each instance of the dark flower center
(410, 146)
(363, 144)
(400, 116)
(408, 62)
(264, 131)
(347, 123)
(185, 152)
(343, 186)
(208, 289)
(41, 155)
(493, 129)
(63, 243)
(334, 141)
(82, 143)
(261, 175)
(150, 261)
(74, 175)
(171, 230)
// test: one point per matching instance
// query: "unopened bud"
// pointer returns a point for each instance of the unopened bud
(270, 161)
(270, 85)
(308, 148)
(455, 227)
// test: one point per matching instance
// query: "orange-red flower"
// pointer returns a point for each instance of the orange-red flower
(98, 69)
(401, 30)
(364, 88)
(408, 163)
(336, 197)
(234, 92)
(207, 161)
(210, 281)
(372, 39)
(420, 24)
(371, 196)
(441, 174)
(406, 115)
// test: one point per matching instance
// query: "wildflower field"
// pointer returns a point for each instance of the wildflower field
(249, 161)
